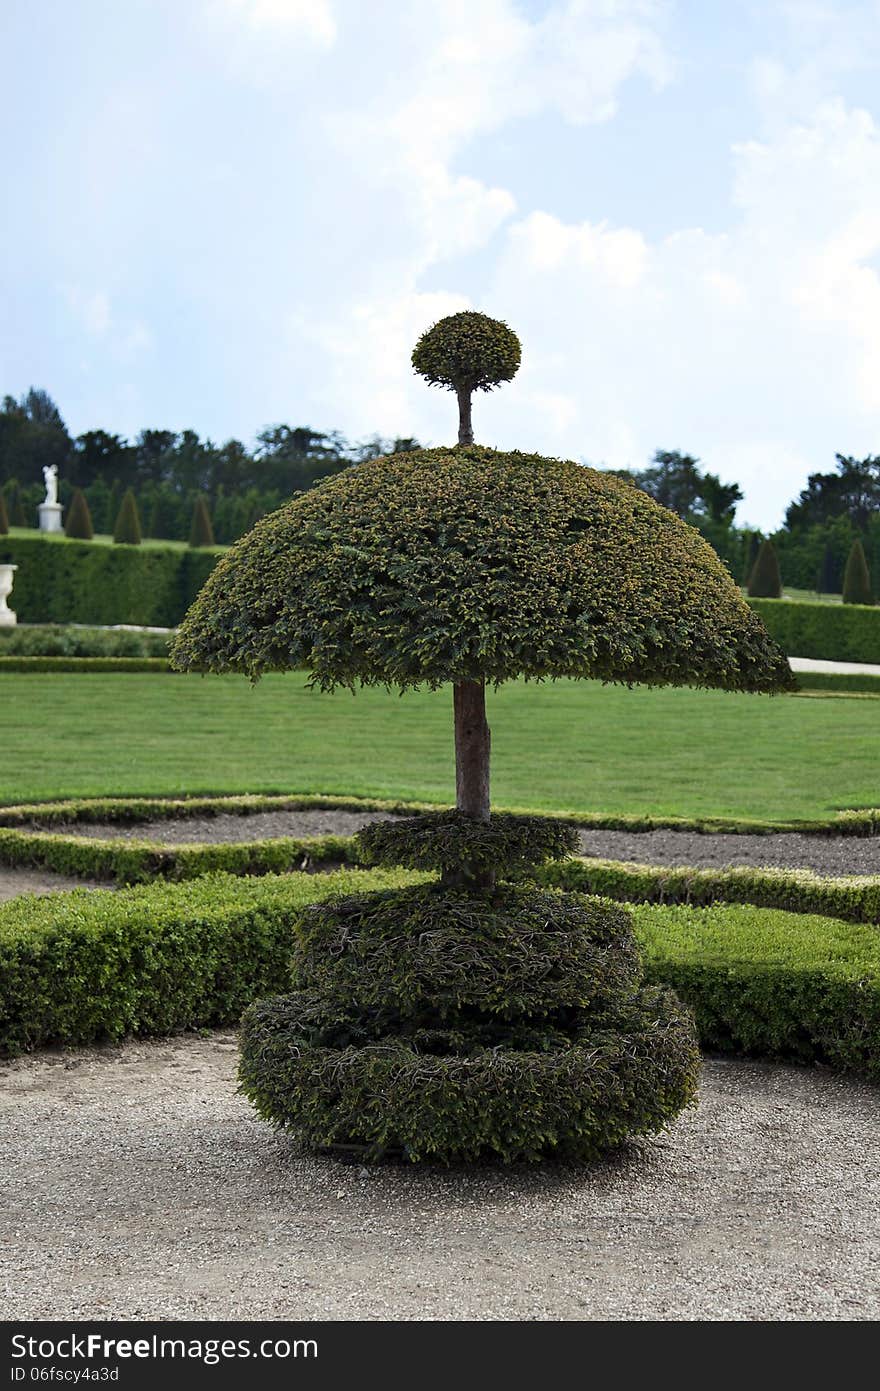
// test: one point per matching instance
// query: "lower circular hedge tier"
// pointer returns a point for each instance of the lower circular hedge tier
(624, 1075)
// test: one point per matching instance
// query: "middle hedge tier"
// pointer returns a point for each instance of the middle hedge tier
(517, 951)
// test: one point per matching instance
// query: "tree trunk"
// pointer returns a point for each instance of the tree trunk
(465, 428)
(472, 744)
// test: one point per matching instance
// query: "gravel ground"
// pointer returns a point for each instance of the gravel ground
(40, 881)
(827, 855)
(136, 1184)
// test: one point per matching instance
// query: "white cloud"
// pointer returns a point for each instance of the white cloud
(314, 19)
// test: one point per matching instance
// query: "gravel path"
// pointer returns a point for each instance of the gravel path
(40, 881)
(136, 1184)
(827, 855)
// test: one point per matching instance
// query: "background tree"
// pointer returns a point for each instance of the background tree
(857, 578)
(32, 435)
(78, 523)
(765, 581)
(4, 518)
(828, 579)
(201, 533)
(127, 531)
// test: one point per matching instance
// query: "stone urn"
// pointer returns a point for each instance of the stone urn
(7, 576)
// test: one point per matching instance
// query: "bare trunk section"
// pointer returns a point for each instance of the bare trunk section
(472, 745)
(465, 427)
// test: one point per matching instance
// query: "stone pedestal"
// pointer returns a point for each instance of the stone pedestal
(50, 516)
(7, 575)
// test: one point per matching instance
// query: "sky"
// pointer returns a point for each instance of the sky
(223, 214)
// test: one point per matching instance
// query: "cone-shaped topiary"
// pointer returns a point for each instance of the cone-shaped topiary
(79, 519)
(16, 506)
(465, 353)
(826, 582)
(468, 1018)
(857, 577)
(765, 581)
(4, 516)
(201, 532)
(127, 531)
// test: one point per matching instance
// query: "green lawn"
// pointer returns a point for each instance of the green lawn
(103, 539)
(574, 746)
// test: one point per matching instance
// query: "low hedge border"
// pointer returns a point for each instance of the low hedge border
(142, 861)
(837, 683)
(80, 967)
(855, 898)
(84, 665)
(827, 632)
(860, 822)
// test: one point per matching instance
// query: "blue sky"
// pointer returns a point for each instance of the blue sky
(225, 213)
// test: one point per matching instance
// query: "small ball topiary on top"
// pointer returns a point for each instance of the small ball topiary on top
(467, 352)
(472, 1017)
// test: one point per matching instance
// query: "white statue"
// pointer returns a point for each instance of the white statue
(50, 477)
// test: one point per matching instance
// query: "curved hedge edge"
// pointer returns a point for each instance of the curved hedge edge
(853, 899)
(84, 665)
(141, 861)
(82, 966)
(859, 822)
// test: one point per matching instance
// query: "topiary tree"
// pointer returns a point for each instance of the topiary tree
(826, 581)
(765, 581)
(16, 505)
(467, 352)
(473, 1015)
(127, 531)
(857, 577)
(4, 516)
(201, 532)
(79, 518)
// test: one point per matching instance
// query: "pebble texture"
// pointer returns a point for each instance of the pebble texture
(137, 1184)
(826, 855)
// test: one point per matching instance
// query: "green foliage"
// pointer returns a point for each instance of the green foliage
(765, 581)
(575, 1103)
(4, 516)
(17, 515)
(855, 899)
(446, 839)
(83, 966)
(57, 640)
(127, 531)
(450, 564)
(62, 581)
(771, 983)
(423, 957)
(827, 632)
(467, 351)
(88, 965)
(141, 861)
(201, 532)
(856, 578)
(79, 519)
(95, 666)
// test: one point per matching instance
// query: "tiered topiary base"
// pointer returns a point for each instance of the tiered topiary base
(440, 1023)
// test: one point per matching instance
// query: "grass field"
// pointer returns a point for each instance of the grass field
(574, 746)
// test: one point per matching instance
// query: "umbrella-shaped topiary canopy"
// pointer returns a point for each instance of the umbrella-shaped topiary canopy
(467, 564)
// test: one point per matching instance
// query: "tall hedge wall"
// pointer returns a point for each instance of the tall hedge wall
(65, 581)
(828, 632)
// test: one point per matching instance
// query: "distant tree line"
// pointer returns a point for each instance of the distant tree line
(168, 472)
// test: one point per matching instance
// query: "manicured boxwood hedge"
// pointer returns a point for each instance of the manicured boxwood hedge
(65, 581)
(76, 640)
(861, 822)
(79, 967)
(856, 899)
(141, 861)
(829, 632)
(84, 665)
